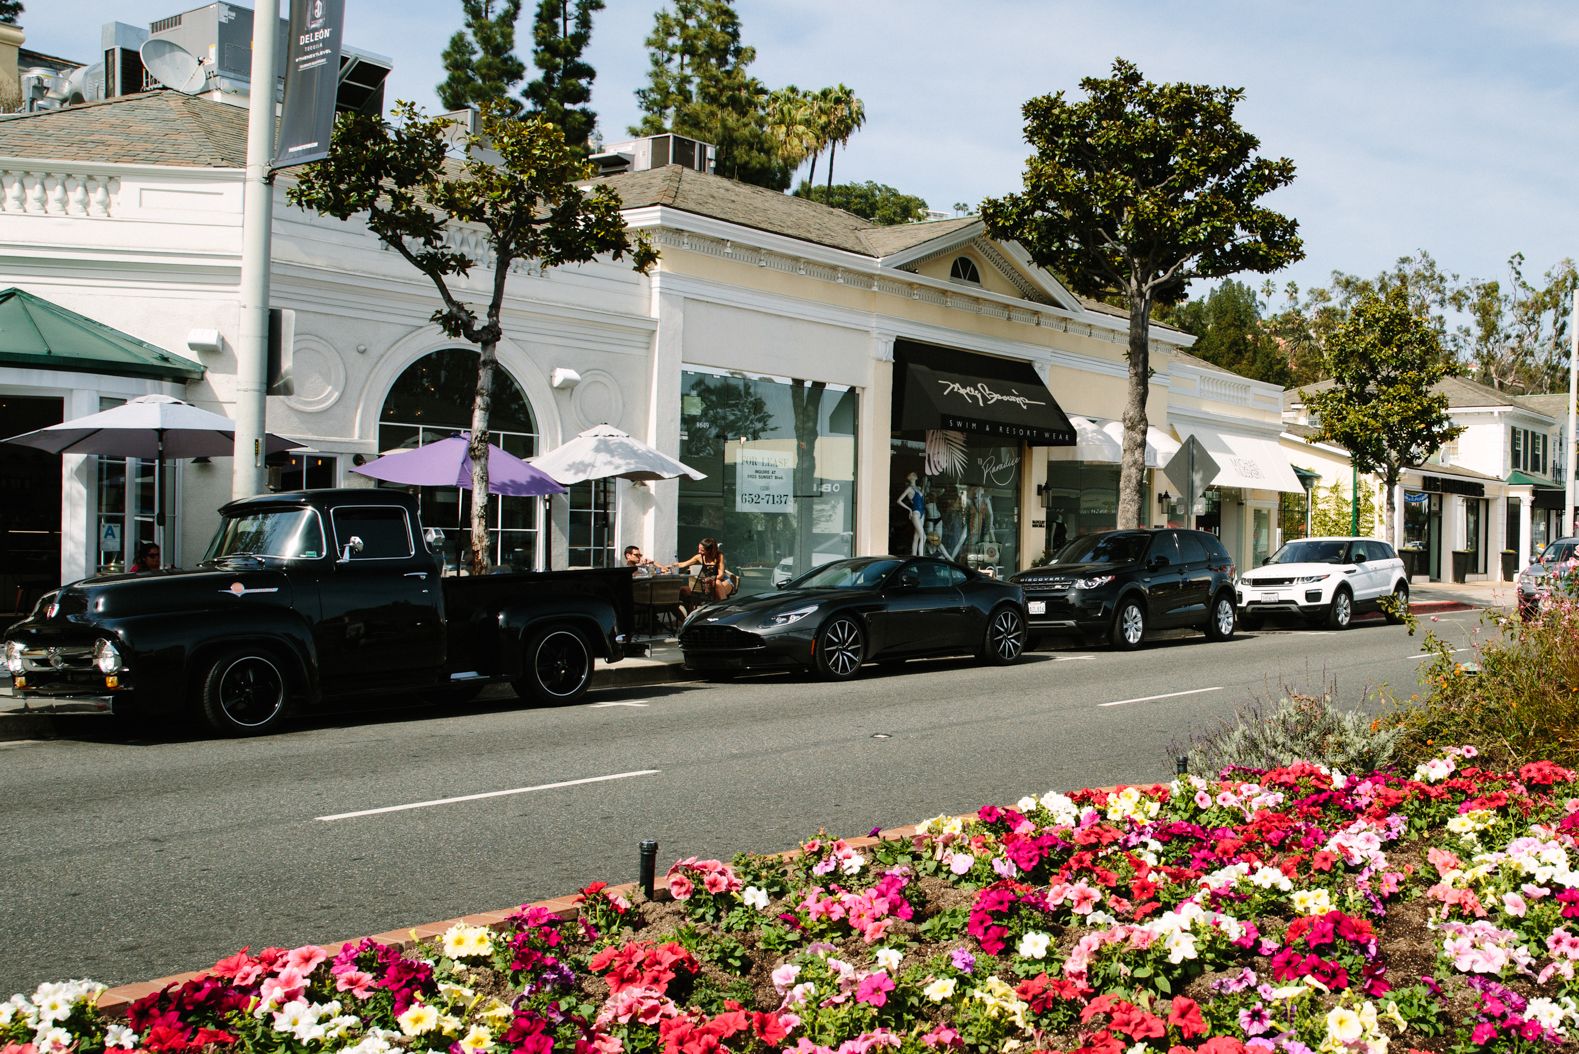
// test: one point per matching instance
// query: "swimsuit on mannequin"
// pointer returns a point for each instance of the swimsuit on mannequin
(914, 503)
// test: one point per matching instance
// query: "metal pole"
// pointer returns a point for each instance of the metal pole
(1570, 468)
(649, 866)
(257, 219)
(1354, 503)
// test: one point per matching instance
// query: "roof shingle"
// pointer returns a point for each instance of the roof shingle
(151, 128)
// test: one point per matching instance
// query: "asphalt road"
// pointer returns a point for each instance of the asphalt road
(131, 860)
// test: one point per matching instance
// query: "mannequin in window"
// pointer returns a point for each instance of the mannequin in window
(980, 516)
(915, 505)
(954, 527)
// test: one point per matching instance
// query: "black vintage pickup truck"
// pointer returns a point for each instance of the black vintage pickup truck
(308, 596)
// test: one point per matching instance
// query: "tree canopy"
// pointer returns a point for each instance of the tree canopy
(480, 61)
(1137, 189)
(519, 184)
(1230, 332)
(10, 10)
(563, 88)
(878, 202)
(1384, 358)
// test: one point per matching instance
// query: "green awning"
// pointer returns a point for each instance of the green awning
(35, 334)
(1524, 479)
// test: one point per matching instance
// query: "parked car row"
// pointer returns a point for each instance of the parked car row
(1116, 587)
(1553, 573)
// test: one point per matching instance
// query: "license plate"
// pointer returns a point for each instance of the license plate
(1036, 607)
(1273, 598)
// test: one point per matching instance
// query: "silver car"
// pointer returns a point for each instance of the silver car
(1556, 568)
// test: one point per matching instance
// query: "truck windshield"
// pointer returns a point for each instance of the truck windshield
(284, 534)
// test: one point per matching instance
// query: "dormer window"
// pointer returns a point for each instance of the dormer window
(964, 270)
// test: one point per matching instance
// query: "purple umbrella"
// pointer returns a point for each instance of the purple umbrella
(447, 464)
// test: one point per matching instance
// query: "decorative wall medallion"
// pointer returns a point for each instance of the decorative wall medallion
(318, 373)
(597, 399)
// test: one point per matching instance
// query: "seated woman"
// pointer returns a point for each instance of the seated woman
(147, 558)
(712, 582)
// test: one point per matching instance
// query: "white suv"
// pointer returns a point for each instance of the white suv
(1325, 580)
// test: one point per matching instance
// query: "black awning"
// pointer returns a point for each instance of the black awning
(1014, 404)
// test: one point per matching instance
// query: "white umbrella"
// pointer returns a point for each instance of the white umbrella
(604, 451)
(1091, 444)
(152, 427)
(1160, 446)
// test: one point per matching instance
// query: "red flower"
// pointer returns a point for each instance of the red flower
(1323, 860)
(1137, 1023)
(769, 1027)
(1185, 1015)
(1221, 1045)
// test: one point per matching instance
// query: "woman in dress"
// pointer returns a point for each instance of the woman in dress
(712, 582)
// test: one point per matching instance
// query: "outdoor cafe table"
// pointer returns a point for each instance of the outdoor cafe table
(656, 596)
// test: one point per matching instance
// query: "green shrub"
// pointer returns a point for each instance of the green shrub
(1517, 699)
(1298, 727)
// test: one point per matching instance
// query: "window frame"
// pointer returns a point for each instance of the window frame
(339, 546)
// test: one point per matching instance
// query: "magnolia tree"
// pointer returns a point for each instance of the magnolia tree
(517, 183)
(1384, 360)
(1138, 189)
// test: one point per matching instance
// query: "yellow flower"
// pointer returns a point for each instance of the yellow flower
(418, 1019)
(478, 1039)
(1344, 1025)
(941, 989)
(467, 942)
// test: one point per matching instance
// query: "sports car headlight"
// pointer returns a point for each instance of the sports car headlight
(1094, 582)
(13, 656)
(1302, 579)
(785, 618)
(106, 656)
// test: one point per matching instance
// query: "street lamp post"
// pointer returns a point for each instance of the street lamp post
(1569, 467)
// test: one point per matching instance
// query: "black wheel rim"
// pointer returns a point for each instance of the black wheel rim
(1007, 635)
(1225, 617)
(1132, 623)
(251, 692)
(561, 663)
(841, 647)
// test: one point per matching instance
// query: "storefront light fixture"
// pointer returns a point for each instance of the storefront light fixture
(1164, 499)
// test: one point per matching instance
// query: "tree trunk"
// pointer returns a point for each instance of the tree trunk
(1132, 464)
(832, 149)
(811, 177)
(482, 404)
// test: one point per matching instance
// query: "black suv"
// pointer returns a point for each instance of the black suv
(1120, 584)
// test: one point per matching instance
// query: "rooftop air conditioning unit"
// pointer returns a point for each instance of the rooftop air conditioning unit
(656, 151)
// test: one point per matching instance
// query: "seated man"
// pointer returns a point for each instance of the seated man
(643, 566)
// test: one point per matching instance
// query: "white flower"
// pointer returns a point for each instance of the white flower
(755, 897)
(419, 1018)
(889, 958)
(467, 942)
(852, 864)
(1180, 946)
(1311, 901)
(1034, 945)
(120, 1036)
(941, 989)
(1548, 1012)
(1344, 1025)
(479, 1038)
(52, 1039)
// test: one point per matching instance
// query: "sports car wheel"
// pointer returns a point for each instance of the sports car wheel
(1129, 625)
(556, 667)
(1221, 626)
(1005, 637)
(1341, 611)
(1400, 605)
(243, 693)
(840, 648)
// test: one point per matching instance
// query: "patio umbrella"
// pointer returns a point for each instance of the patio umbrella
(604, 451)
(1160, 446)
(446, 463)
(151, 427)
(1092, 443)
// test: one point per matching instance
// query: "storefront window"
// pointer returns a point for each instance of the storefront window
(1080, 499)
(967, 491)
(433, 400)
(779, 455)
(126, 506)
(1260, 536)
(592, 523)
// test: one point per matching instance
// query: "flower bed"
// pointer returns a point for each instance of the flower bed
(1294, 910)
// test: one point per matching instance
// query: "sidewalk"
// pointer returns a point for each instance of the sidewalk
(664, 664)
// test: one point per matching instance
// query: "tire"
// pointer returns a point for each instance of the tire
(1251, 620)
(1004, 641)
(1129, 625)
(841, 647)
(244, 693)
(556, 667)
(1221, 624)
(1341, 611)
(1401, 599)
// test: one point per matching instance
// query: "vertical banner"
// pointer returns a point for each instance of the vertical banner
(312, 80)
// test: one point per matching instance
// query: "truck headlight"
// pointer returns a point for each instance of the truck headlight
(13, 656)
(107, 657)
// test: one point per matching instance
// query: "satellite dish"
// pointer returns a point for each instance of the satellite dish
(173, 66)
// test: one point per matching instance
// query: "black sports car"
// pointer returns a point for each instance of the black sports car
(837, 616)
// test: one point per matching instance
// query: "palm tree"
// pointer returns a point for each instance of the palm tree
(787, 112)
(846, 114)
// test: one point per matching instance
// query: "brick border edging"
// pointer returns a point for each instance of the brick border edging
(115, 1001)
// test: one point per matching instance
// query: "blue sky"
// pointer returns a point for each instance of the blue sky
(1443, 126)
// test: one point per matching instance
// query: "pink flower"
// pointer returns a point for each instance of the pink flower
(959, 863)
(715, 882)
(680, 887)
(358, 982)
(283, 986)
(306, 958)
(1514, 905)
(874, 988)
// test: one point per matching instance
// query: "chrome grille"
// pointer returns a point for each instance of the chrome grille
(57, 658)
(1045, 582)
(715, 637)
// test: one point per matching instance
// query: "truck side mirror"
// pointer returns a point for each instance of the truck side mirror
(351, 548)
(433, 536)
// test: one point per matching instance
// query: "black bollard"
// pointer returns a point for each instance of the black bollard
(649, 865)
(1181, 765)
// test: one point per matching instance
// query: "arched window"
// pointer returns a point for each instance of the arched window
(432, 399)
(964, 270)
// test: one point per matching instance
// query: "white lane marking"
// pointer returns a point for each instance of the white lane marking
(1073, 658)
(487, 794)
(1428, 654)
(1166, 695)
(633, 702)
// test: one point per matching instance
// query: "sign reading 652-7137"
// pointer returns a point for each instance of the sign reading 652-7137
(764, 479)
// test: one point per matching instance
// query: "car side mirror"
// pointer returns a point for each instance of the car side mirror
(1157, 563)
(1265, 560)
(352, 547)
(433, 536)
